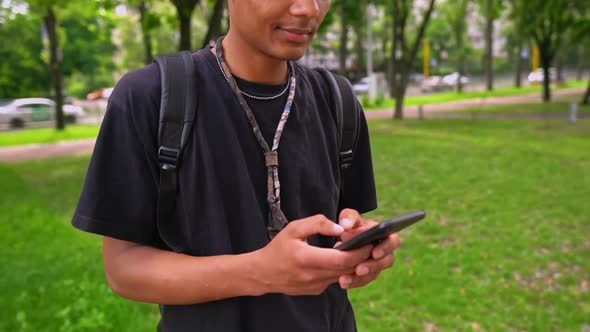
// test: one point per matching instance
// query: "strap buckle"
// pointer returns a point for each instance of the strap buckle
(168, 158)
(346, 158)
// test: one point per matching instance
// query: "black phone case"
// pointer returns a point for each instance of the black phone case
(382, 231)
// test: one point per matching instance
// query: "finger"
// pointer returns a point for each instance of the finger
(347, 235)
(319, 224)
(345, 281)
(386, 246)
(333, 259)
(350, 219)
(375, 266)
(357, 282)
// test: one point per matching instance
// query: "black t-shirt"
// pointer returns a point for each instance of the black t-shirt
(221, 203)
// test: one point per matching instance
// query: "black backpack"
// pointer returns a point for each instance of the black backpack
(177, 116)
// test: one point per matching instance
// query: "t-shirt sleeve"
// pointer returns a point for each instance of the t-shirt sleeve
(359, 183)
(119, 195)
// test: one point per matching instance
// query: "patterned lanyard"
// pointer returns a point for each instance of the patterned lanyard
(277, 219)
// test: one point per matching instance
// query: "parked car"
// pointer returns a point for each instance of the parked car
(362, 87)
(434, 84)
(23, 112)
(442, 83)
(538, 76)
(452, 79)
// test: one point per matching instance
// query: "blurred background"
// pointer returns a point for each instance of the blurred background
(478, 112)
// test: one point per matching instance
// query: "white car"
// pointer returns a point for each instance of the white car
(452, 79)
(538, 76)
(23, 112)
(362, 87)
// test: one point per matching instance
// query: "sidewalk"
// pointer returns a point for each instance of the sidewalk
(67, 148)
(412, 111)
(44, 151)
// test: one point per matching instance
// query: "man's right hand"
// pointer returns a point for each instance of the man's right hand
(289, 265)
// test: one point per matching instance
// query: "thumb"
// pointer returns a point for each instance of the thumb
(304, 228)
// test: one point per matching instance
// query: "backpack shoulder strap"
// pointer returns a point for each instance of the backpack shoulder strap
(346, 115)
(177, 115)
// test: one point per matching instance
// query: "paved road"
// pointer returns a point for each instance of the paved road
(43, 151)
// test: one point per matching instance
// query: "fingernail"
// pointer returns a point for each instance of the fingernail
(338, 228)
(363, 270)
(346, 223)
(378, 253)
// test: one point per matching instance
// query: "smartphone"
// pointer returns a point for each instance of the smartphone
(382, 231)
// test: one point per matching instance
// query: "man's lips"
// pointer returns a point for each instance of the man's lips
(295, 35)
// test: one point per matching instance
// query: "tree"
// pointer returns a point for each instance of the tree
(404, 54)
(87, 46)
(351, 16)
(214, 24)
(458, 18)
(586, 99)
(581, 33)
(491, 11)
(547, 27)
(519, 28)
(23, 73)
(47, 8)
(184, 10)
(147, 22)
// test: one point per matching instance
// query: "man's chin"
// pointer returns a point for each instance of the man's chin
(291, 54)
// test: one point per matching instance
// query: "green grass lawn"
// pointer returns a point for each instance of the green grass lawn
(561, 105)
(47, 135)
(436, 98)
(505, 246)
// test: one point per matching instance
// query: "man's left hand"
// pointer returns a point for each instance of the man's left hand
(382, 256)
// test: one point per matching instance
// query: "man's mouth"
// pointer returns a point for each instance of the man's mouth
(296, 35)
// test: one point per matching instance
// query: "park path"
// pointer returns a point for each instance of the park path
(412, 111)
(81, 147)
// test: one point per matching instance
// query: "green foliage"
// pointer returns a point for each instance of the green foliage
(85, 31)
(22, 72)
(88, 50)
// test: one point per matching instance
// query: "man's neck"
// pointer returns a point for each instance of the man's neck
(252, 65)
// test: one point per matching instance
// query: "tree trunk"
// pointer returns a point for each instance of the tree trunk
(214, 25)
(184, 10)
(399, 104)
(55, 66)
(185, 33)
(459, 26)
(360, 52)
(398, 59)
(559, 67)
(518, 75)
(580, 63)
(403, 58)
(546, 60)
(391, 66)
(586, 100)
(146, 35)
(460, 64)
(489, 51)
(343, 39)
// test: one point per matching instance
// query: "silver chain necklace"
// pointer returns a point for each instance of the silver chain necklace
(282, 93)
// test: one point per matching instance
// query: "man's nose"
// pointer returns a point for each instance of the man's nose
(307, 8)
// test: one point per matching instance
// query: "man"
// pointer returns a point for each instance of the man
(212, 265)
